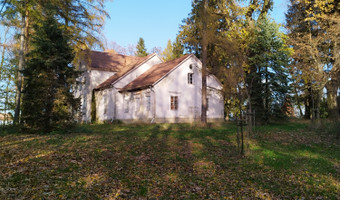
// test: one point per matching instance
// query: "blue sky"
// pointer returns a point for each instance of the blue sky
(155, 20)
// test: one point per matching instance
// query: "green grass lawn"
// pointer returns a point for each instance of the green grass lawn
(170, 161)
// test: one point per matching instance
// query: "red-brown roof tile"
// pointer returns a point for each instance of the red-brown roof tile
(110, 61)
(125, 69)
(154, 74)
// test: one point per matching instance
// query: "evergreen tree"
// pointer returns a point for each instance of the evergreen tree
(173, 50)
(233, 46)
(167, 54)
(177, 48)
(81, 19)
(48, 101)
(268, 74)
(141, 50)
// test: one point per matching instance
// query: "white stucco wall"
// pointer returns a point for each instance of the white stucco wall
(105, 104)
(215, 105)
(111, 101)
(153, 104)
(213, 82)
(90, 79)
(189, 95)
(135, 106)
(176, 84)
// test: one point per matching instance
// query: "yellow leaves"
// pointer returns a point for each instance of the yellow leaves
(91, 179)
(171, 177)
(204, 168)
(184, 163)
(262, 195)
(319, 8)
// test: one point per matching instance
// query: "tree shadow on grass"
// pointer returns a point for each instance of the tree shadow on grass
(167, 161)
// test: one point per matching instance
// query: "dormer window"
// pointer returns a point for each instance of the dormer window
(190, 78)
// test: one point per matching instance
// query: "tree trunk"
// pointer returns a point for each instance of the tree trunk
(308, 102)
(298, 101)
(318, 104)
(3, 52)
(313, 105)
(332, 103)
(267, 97)
(24, 44)
(6, 104)
(20, 68)
(204, 65)
(27, 28)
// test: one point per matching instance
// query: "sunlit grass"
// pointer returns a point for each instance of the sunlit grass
(170, 161)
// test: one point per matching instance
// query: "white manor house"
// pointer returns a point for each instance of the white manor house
(145, 89)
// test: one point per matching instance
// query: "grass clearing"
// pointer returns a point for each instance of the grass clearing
(170, 161)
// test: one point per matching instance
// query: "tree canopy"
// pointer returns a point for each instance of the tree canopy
(313, 31)
(48, 101)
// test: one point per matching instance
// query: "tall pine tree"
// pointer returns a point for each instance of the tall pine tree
(81, 19)
(141, 50)
(48, 101)
(168, 54)
(177, 48)
(268, 70)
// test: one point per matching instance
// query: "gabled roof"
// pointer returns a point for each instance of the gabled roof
(154, 74)
(111, 61)
(125, 70)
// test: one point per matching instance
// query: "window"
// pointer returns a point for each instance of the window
(148, 103)
(190, 78)
(174, 102)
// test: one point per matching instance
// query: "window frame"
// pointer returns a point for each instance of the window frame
(190, 78)
(173, 102)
